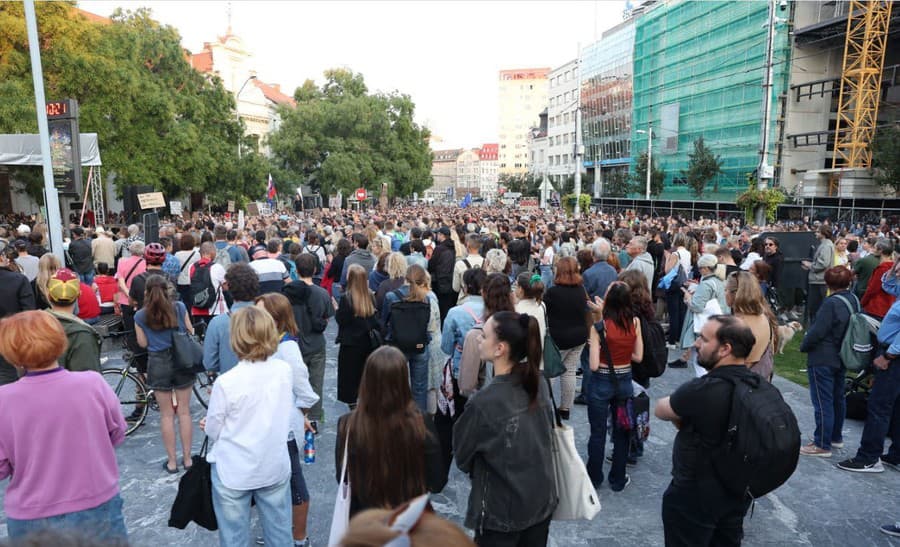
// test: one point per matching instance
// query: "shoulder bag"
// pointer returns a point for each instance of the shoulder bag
(553, 365)
(194, 499)
(622, 418)
(578, 499)
(187, 353)
(340, 520)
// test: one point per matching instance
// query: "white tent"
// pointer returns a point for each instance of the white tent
(25, 149)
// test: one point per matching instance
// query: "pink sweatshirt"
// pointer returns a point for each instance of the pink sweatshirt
(58, 434)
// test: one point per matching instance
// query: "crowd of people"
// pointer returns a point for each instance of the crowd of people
(442, 316)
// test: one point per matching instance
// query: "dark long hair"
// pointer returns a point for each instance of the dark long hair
(640, 295)
(160, 308)
(522, 333)
(618, 306)
(387, 434)
(497, 293)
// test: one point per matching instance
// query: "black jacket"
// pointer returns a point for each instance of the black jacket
(82, 257)
(312, 308)
(15, 293)
(776, 262)
(440, 266)
(822, 342)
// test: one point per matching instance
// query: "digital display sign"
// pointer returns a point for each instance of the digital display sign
(66, 108)
(65, 153)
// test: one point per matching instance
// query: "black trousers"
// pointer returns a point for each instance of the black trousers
(814, 298)
(703, 515)
(535, 536)
(445, 302)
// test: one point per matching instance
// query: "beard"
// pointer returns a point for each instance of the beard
(707, 362)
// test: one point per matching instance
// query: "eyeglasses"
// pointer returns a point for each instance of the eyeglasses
(770, 244)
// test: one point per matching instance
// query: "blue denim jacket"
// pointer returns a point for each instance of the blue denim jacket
(458, 322)
(217, 353)
(889, 332)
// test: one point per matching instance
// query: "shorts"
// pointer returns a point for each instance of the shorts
(162, 374)
(299, 492)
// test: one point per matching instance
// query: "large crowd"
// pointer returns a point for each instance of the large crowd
(462, 333)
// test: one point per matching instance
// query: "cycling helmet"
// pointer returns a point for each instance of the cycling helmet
(154, 253)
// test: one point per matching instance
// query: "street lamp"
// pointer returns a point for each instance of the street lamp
(237, 99)
(649, 133)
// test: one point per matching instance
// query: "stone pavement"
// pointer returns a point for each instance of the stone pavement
(820, 505)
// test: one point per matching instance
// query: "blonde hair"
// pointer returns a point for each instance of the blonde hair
(378, 243)
(396, 265)
(419, 283)
(48, 265)
(358, 291)
(372, 528)
(254, 336)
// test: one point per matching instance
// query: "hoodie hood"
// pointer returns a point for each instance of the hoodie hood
(297, 293)
(889, 283)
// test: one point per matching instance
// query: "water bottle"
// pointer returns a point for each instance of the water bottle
(309, 447)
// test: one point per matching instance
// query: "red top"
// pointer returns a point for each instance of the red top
(875, 301)
(88, 306)
(621, 343)
(107, 285)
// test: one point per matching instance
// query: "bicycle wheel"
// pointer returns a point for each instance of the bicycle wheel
(203, 388)
(132, 394)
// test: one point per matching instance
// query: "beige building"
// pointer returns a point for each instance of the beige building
(443, 173)
(522, 96)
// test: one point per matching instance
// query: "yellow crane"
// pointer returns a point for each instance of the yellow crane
(867, 33)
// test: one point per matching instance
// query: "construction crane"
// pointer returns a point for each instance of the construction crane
(867, 34)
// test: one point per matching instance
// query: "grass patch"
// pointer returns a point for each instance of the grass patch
(790, 364)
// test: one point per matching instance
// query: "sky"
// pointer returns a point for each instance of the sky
(445, 54)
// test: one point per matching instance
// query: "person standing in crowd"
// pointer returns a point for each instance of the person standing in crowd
(596, 281)
(472, 260)
(15, 296)
(611, 382)
(440, 267)
(187, 257)
(744, 296)
(47, 267)
(336, 268)
(708, 298)
(417, 254)
(503, 439)
(62, 464)
(875, 300)
(278, 306)
(841, 255)
(154, 325)
(27, 263)
(393, 454)
(238, 253)
(775, 259)
(273, 274)
(361, 256)
(82, 255)
(822, 260)
(459, 321)
(826, 371)
(356, 320)
(675, 305)
(103, 248)
(395, 269)
(248, 421)
(312, 308)
(473, 374)
(217, 279)
(640, 258)
(566, 309)
(696, 508)
(529, 292)
(243, 285)
(865, 266)
(83, 343)
(883, 405)
(171, 266)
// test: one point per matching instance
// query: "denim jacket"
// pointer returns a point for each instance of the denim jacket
(459, 320)
(505, 448)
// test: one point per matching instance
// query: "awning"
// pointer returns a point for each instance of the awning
(25, 149)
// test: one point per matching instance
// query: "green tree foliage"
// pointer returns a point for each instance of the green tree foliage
(527, 184)
(703, 167)
(639, 178)
(341, 137)
(886, 157)
(616, 184)
(159, 121)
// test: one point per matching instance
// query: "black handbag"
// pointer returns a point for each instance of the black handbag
(187, 353)
(194, 501)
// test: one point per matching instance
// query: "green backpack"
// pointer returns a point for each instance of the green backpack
(861, 339)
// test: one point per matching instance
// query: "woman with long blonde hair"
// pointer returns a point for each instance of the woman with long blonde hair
(744, 296)
(48, 265)
(358, 332)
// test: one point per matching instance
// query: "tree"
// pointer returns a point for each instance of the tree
(527, 184)
(703, 167)
(639, 178)
(616, 184)
(159, 121)
(340, 137)
(886, 157)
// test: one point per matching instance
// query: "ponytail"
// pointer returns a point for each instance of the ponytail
(522, 333)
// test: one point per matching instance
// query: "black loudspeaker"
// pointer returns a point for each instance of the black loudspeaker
(151, 228)
(131, 205)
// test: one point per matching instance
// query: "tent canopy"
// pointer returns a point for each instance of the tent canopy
(25, 149)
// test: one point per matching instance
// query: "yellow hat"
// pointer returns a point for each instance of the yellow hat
(64, 287)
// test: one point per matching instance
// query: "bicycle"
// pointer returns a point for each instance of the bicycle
(124, 383)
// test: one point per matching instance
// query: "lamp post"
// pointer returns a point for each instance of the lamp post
(237, 110)
(649, 133)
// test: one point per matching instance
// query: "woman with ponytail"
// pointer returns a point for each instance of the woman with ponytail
(503, 439)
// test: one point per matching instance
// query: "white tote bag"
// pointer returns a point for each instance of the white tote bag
(341, 518)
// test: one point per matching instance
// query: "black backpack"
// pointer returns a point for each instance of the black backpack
(656, 354)
(203, 293)
(315, 254)
(762, 443)
(409, 322)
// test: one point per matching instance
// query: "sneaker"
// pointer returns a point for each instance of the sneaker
(812, 450)
(892, 464)
(624, 486)
(838, 444)
(678, 363)
(859, 467)
(630, 462)
(260, 540)
(891, 529)
(304, 543)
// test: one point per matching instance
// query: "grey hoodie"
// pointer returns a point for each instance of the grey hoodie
(363, 257)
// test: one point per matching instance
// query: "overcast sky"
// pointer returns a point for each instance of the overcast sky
(445, 55)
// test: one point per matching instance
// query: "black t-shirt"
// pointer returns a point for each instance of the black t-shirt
(704, 405)
(138, 286)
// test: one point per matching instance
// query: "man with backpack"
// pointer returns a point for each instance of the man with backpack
(314, 248)
(472, 260)
(207, 280)
(718, 417)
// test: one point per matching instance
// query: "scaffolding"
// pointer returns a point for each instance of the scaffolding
(860, 91)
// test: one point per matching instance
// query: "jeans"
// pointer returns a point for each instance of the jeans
(585, 369)
(534, 536)
(232, 507)
(547, 275)
(826, 389)
(87, 278)
(702, 515)
(315, 362)
(337, 291)
(883, 417)
(600, 397)
(103, 523)
(418, 378)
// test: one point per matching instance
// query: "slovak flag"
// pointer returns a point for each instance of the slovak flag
(271, 194)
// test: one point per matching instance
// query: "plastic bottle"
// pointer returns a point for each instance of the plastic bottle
(309, 447)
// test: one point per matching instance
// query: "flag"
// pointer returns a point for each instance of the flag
(466, 201)
(271, 194)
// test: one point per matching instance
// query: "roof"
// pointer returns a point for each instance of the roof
(93, 17)
(447, 155)
(202, 62)
(274, 94)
